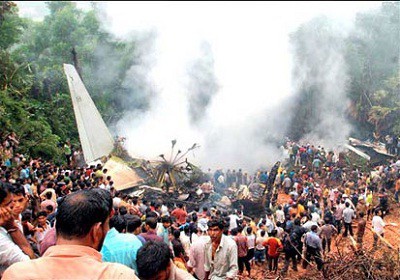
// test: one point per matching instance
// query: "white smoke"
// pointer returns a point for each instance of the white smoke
(252, 66)
(321, 68)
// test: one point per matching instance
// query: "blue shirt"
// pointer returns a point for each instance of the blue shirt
(313, 240)
(121, 248)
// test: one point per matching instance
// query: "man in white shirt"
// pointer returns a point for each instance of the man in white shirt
(378, 226)
(221, 254)
(348, 216)
(280, 215)
(233, 222)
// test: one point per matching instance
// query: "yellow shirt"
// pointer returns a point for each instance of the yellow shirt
(369, 199)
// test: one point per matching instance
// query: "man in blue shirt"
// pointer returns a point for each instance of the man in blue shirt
(119, 247)
(314, 247)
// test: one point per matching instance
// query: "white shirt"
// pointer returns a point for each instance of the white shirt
(378, 224)
(225, 263)
(9, 251)
(280, 216)
(233, 221)
(315, 217)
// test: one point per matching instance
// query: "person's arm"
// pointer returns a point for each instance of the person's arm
(207, 261)
(7, 221)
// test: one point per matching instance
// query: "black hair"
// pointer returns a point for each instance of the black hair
(79, 211)
(176, 233)
(151, 222)
(249, 230)
(26, 216)
(151, 214)
(234, 231)
(152, 258)
(118, 222)
(216, 223)
(123, 210)
(18, 189)
(314, 228)
(166, 219)
(4, 191)
(41, 213)
(132, 223)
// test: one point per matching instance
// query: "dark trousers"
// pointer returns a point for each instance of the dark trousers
(299, 251)
(289, 256)
(326, 244)
(338, 225)
(316, 254)
(273, 263)
(376, 237)
(347, 228)
(243, 261)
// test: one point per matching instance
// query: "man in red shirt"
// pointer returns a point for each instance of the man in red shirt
(180, 214)
(243, 247)
(274, 246)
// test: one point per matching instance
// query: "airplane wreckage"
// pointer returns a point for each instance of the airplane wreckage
(175, 179)
(171, 180)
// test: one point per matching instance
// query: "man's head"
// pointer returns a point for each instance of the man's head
(19, 198)
(153, 261)
(6, 196)
(215, 229)
(83, 218)
(41, 218)
(151, 224)
(133, 224)
(166, 221)
(118, 222)
(314, 228)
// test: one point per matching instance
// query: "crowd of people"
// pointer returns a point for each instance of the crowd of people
(70, 222)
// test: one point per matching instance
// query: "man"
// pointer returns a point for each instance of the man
(197, 253)
(120, 247)
(233, 220)
(134, 226)
(221, 256)
(13, 245)
(180, 214)
(82, 225)
(313, 247)
(378, 225)
(361, 225)
(289, 248)
(162, 230)
(241, 242)
(274, 246)
(327, 231)
(154, 263)
(348, 215)
(151, 234)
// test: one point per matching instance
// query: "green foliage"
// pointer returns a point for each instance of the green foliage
(371, 52)
(10, 24)
(36, 102)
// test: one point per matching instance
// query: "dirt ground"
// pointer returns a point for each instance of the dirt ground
(392, 235)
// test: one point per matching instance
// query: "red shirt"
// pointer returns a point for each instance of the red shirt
(241, 242)
(273, 245)
(180, 215)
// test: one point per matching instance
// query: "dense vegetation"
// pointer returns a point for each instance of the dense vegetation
(35, 100)
(370, 70)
